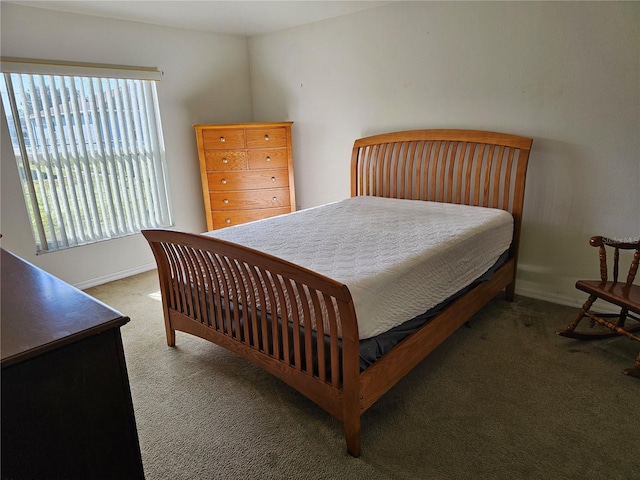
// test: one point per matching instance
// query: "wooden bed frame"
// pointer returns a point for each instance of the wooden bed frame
(209, 285)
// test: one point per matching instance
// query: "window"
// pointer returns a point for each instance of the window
(90, 151)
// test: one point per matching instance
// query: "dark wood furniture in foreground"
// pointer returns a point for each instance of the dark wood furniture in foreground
(67, 411)
(196, 271)
(625, 295)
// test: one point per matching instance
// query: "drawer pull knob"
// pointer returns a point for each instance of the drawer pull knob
(275, 198)
(268, 159)
(273, 179)
(224, 160)
(223, 181)
(226, 200)
(266, 138)
(222, 139)
(227, 220)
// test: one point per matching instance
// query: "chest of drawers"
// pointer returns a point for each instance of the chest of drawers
(246, 171)
(66, 408)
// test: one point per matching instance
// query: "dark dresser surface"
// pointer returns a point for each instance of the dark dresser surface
(67, 410)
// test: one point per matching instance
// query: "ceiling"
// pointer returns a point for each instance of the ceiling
(239, 17)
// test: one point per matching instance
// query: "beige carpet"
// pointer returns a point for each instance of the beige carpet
(504, 398)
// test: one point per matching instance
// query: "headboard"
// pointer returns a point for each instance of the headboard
(470, 167)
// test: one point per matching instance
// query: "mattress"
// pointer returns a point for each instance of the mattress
(398, 258)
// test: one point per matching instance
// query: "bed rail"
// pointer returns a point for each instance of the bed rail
(260, 307)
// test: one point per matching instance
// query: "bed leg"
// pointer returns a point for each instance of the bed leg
(352, 435)
(171, 333)
(510, 292)
(171, 338)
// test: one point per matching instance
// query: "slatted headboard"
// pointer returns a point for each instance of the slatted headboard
(470, 167)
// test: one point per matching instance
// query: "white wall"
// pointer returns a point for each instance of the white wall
(206, 80)
(565, 73)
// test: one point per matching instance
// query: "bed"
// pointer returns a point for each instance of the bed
(336, 300)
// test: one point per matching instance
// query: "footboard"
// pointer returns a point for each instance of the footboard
(294, 323)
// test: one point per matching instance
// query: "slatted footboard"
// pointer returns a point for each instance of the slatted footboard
(294, 323)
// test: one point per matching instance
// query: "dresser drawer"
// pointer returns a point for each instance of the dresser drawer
(246, 171)
(223, 138)
(250, 199)
(268, 158)
(266, 137)
(248, 180)
(225, 160)
(236, 217)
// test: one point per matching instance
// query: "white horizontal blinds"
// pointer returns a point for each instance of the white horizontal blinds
(96, 155)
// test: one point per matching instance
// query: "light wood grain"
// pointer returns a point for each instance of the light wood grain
(242, 299)
(241, 159)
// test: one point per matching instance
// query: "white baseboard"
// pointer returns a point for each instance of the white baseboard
(115, 276)
(602, 306)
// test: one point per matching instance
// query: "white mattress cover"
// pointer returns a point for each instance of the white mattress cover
(397, 257)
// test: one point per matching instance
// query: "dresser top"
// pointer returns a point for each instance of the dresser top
(243, 125)
(41, 312)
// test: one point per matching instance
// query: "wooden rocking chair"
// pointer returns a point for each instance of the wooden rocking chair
(625, 295)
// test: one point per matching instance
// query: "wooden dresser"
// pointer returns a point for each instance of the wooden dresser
(247, 171)
(67, 410)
